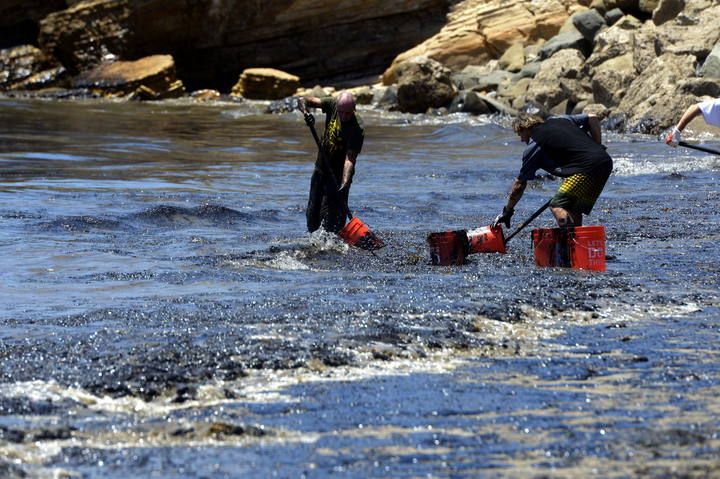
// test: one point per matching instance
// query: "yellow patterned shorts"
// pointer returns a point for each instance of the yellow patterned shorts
(578, 193)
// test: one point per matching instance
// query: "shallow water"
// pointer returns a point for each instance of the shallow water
(165, 313)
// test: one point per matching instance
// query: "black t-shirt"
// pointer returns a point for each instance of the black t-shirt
(562, 148)
(339, 137)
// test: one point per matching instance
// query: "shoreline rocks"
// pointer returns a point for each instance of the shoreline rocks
(639, 63)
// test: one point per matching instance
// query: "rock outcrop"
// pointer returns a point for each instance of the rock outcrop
(265, 84)
(20, 64)
(423, 83)
(86, 34)
(480, 30)
(150, 78)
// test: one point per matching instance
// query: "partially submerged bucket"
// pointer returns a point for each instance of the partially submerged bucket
(486, 240)
(579, 247)
(449, 247)
(356, 233)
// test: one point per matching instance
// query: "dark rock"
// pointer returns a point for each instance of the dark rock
(86, 34)
(221, 429)
(667, 10)
(612, 17)
(588, 23)
(569, 40)
(423, 83)
(701, 87)
(18, 64)
(469, 102)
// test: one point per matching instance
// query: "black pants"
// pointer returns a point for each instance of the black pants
(325, 205)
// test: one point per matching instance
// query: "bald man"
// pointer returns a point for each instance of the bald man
(341, 142)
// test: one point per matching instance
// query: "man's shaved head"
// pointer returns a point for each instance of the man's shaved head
(345, 106)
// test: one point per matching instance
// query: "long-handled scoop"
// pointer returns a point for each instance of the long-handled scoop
(699, 148)
(451, 247)
(355, 233)
(528, 221)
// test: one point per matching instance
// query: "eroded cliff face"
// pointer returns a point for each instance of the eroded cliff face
(213, 41)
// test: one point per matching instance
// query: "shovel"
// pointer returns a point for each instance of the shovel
(699, 148)
(355, 233)
(451, 247)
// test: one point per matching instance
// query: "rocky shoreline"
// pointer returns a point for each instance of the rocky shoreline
(636, 63)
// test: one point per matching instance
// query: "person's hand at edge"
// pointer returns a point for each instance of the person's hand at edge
(504, 217)
(674, 138)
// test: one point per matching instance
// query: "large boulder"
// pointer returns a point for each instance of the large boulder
(265, 84)
(618, 40)
(20, 63)
(559, 79)
(588, 23)
(696, 37)
(513, 59)
(611, 79)
(514, 93)
(654, 101)
(148, 78)
(423, 83)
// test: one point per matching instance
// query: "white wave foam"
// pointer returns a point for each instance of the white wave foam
(631, 166)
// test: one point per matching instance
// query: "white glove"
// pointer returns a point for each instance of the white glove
(674, 138)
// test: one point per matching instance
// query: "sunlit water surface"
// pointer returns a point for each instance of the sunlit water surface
(164, 312)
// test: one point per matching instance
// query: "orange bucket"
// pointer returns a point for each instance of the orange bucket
(486, 240)
(587, 247)
(449, 247)
(356, 233)
(580, 247)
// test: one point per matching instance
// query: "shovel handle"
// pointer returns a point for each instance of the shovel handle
(528, 221)
(699, 148)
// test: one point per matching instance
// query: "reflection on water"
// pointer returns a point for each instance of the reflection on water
(165, 312)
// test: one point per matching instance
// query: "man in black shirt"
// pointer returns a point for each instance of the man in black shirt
(565, 146)
(341, 143)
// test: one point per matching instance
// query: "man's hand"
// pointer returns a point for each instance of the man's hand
(504, 217)
(674, 138)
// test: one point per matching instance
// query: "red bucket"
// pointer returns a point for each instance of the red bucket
(580, 247)
(356, 233)
(449, 247)
(486, 240)
(587, 247)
